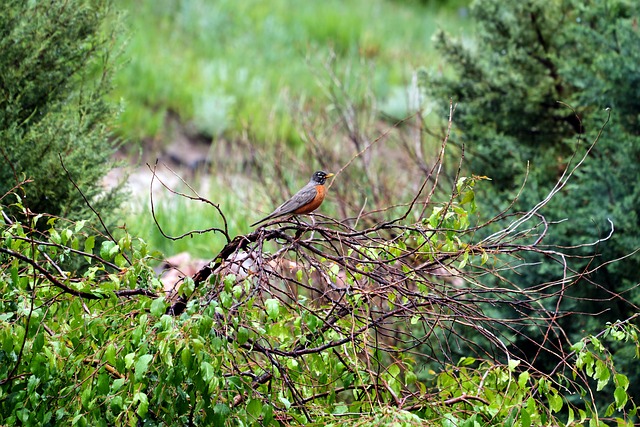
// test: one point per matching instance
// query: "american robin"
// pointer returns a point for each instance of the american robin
(304, 201)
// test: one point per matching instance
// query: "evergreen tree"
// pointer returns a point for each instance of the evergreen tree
(531, 60)
(56, 66)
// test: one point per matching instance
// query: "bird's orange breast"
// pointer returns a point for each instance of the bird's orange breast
(313, 205)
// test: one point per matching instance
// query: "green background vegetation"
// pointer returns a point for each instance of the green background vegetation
(56, 71)
(535, 334)
(226, 66)
(228, 71)
(536, 86)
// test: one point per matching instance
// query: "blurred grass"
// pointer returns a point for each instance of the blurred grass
(178, 215)
(238, 70)
(225, 66)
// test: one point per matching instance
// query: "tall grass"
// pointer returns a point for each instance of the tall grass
(237, 69)
(225, 66)
(177, 215)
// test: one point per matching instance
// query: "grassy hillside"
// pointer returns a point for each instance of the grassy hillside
(225, 66)
(243, 72)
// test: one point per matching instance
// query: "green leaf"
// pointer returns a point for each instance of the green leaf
(187, 287)
(450, 420)
(237, 291)
(15, 276)
(254, 408)
(102, 386)
(54, 236)
(523, 378)
(66, 235)
(577, 346)
(621, 380)
(85, 397)
(32, 383)
(88, 246)
(555, 402)
(465, 259)
(484, 258)
(80, 225)
(110, 354)
(609, 411)
(410, 377)
(220, 414)
(583, 415)
(117, 384)
(242, 335)
(602, 374)
(226, 300)
(186, 357)
(108, 249)
(120, 260)
(285, 402)
(143, 406)
(125, 242)
(466, 361)
(158, 306)
(267, 415)
(228, 281)
(142, 365)
(621, 397)
(394, 370)
(525, 418)
(38, 342)
(340, 409)
(128, 360)
(207, 371)
(273, 308)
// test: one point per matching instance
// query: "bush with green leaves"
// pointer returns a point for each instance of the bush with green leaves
(531, 88)
(301, 323)
(57, 61)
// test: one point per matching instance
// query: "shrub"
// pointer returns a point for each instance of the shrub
(56, 67)
(513, 86)
(298, 323)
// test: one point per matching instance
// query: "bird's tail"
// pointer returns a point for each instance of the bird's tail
(261, 221)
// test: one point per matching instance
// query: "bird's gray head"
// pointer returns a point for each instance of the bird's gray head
(320, 177)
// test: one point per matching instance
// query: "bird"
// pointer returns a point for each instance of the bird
(308, 199)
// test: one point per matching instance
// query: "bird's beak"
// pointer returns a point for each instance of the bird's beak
(329, 175)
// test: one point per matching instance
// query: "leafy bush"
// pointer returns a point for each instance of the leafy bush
(513, 85)
(56, 65)
(332, 325)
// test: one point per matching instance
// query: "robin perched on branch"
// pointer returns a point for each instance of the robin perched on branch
(308, 199)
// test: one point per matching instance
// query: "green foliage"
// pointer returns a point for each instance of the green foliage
(177, 215)
(106, 346)
(229, 66)
(56, 326)
(530, 58)
(513, 85)
(338, 326)
(56, 66)
(595, 359)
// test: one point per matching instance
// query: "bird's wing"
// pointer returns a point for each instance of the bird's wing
(301, 198)
(298, 200)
